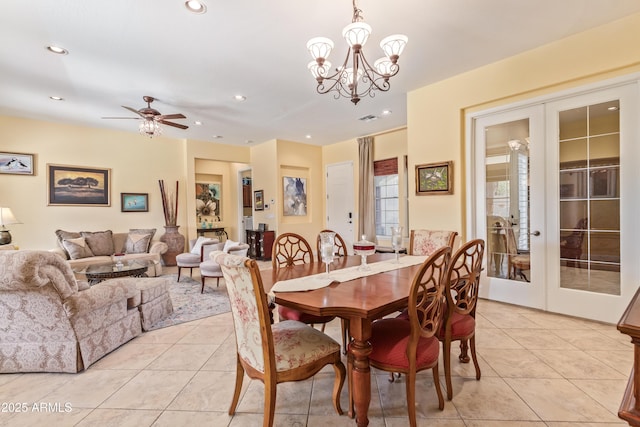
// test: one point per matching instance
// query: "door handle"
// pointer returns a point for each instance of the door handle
(534, 233)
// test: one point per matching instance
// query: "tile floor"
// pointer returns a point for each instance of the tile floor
(538, 369)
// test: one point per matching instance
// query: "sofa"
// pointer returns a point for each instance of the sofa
(84, 248)
(51, 322)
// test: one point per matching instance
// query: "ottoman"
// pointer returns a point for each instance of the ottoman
(155, 301)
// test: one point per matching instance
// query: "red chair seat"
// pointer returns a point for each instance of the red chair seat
(462, 326)
(291, 314)
(389, 339)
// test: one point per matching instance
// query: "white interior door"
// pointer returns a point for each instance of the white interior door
(340, 201)
(593, 154)
(510, 204)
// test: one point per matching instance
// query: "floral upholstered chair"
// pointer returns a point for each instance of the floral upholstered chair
(425, 242)
(286, 351)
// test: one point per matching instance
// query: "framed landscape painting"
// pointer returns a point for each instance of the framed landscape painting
(17, 163)
(434, 178)
(134, 202)
(78, 186)
(258, 200)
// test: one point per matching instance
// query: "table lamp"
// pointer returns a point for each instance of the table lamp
(6, 218)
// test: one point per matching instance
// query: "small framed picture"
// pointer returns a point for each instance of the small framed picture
(17, 163)
(258, 200)
(134, 202)
(434, 178)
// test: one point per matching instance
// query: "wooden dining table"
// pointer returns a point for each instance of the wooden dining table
(359, 301)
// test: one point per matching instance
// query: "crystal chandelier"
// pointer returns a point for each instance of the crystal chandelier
(355, 69)
(150, 128)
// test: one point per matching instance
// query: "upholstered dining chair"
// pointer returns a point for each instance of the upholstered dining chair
(293, 249)
(340, 248)
(459, 324)
(199, 250)
(426, 242)
(273, 354)
(412, 346)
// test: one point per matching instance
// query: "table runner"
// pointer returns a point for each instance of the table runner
(317, 281)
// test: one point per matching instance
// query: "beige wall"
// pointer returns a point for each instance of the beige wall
(436, 112)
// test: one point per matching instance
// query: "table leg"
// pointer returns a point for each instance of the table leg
(360, 350)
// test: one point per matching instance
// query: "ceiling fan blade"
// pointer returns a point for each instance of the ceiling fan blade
(133, 111)
(175, 125)
(171, 116)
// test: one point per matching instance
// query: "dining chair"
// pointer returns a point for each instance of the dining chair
(273, 354)
(426, 242)
(292, 249)
(571, 244)
(459, 323)
(340, 246)
(408, 347)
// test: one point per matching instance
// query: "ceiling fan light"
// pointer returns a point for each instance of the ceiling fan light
(356, 33)
(150, 128)
(320, 47)
(394, 45)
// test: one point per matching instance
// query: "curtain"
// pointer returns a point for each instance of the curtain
(366, 198)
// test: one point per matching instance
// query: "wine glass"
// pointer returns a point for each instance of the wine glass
(396, 240)
(364, 248)
(327, 244)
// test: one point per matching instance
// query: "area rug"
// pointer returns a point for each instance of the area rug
(189, 304)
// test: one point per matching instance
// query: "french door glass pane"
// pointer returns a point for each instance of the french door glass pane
(589, 152)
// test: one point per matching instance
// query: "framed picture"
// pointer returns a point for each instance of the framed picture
(208, 198)
(134, 202)
(78, 186)
(434, 178)
(17, 163)
(258, 200)
(294, 195)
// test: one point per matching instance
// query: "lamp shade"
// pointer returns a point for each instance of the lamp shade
(394, 45)
(7, 217)
(150, 128)
(356, 33)
(319, 71)
(320, 47)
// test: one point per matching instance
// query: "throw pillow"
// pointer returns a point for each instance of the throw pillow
(137, 243)
(100, 242)
(150, 231)
(62, 235)
(228, 245)
(198, 244)
(77, 248)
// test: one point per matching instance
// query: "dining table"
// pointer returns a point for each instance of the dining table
(359, 301)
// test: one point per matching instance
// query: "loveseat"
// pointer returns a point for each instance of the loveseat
(50, 322)
(84, 248)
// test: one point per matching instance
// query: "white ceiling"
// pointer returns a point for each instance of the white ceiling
(194, 64)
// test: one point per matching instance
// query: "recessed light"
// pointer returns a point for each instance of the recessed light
(249, 141)
(195, 6)
(308, 136)
(239, 98)
(217, 137)
(57, 50)
(56, 98)
(386, 112)
(197, 123)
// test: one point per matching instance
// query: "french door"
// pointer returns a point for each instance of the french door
(510, 204)
(557, 202)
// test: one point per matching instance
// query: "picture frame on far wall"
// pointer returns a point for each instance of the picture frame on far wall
(78, 186)
(294, 192)
(17, 163)
(434, 178)
(134, 202)
(258, 200)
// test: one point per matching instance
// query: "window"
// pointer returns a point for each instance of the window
(386, 183)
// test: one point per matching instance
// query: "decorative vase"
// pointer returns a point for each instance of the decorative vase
(175, 242)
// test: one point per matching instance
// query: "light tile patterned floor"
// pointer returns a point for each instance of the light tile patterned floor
(538, 369)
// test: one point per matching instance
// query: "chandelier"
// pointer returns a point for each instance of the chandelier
(150, 128)
(355, 69)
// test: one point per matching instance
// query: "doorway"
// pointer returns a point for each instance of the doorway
(340, 201)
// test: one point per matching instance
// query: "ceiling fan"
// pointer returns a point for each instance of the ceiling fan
(151, 118)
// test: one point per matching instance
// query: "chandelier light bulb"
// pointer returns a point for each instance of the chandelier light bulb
(356, 33)
(393, 46)
(320, 47)
(384, 66)
(150, 128)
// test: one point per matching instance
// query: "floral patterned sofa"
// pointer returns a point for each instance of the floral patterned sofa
(50, 322)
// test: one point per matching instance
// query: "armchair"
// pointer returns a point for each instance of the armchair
(199, 250)
(49, 322)
(210, 268)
